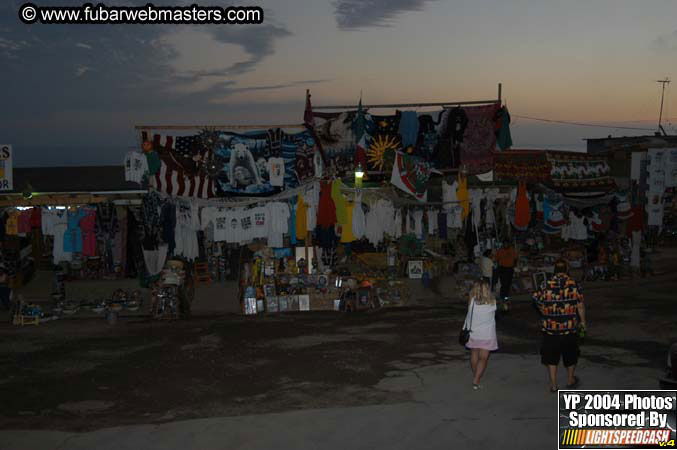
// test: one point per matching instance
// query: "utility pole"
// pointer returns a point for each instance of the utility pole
(660, 117)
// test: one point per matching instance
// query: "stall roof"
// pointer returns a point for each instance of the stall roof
(72, 179)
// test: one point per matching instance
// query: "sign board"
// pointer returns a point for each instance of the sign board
(6, 168)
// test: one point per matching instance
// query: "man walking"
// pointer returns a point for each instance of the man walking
(560, 302)
(506, 257)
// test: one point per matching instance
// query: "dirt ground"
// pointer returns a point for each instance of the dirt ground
(80, 375)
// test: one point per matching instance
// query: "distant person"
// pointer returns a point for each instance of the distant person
(5, 291)
(487, 266)
(506, 257)
(481, 321)
(560, 302)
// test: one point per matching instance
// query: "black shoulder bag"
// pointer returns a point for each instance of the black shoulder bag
(464, 337)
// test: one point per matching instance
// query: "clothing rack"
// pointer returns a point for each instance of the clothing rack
(215, 127)
(417, 105)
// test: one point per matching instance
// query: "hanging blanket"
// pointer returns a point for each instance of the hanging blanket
(479, 140)
(527, 165)
(223, 163)
(572, 172)
(180, 173)
(411, 175)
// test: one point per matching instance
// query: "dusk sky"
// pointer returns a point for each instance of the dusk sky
(72, 94)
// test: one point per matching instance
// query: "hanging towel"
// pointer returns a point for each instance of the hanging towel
(408, 128)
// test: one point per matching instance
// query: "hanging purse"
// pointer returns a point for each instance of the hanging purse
(464, 337)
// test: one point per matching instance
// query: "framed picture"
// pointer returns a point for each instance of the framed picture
(304, 303)
(415, 269)
(272, 304)
(269, 290)
(539, 278)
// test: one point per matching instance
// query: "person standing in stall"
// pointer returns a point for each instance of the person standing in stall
(506, 258)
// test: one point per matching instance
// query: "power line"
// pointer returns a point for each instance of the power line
(581, 124)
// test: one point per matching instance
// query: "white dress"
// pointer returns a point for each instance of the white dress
(483, 326)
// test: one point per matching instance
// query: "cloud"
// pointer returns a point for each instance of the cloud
(83, 45)
(257, 41)
(81, 70)
(665, 42)
(356, 14)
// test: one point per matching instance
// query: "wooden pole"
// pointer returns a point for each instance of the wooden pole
(500, 91)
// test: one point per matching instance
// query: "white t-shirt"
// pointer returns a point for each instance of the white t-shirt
(55, 223)
(655, 210)
(358, 218)
(246, 226)
(136, 165)
(449, 194)
(418, 223)
(432, 221)
(278, 223)
(221, 219)
(259, 219)
(234, 226)
(275, 168)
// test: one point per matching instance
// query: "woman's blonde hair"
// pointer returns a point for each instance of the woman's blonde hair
(481, 293)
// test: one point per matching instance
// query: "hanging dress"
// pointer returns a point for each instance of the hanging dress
(72, 241)
(339, 202)
(326, 214)
(88, 225)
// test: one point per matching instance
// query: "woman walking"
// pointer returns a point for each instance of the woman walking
(481, 321)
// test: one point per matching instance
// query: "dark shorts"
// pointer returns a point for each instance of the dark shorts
(554, 347)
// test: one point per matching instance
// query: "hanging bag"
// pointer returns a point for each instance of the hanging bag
(464, 337)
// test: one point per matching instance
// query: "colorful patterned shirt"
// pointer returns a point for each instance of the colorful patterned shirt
(558, 300)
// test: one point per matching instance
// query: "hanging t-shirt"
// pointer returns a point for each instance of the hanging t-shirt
(358, 218)
(275, 168)
(278, 223)
(24, 222)
(398, 224)
(54, 224)
(655, 210)
(154, 162)
(221, 219)
(577, 230)
(259, 218)
(136, 166)
(234, 226)
(432, 221)
(418, 223)
(185, 233)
